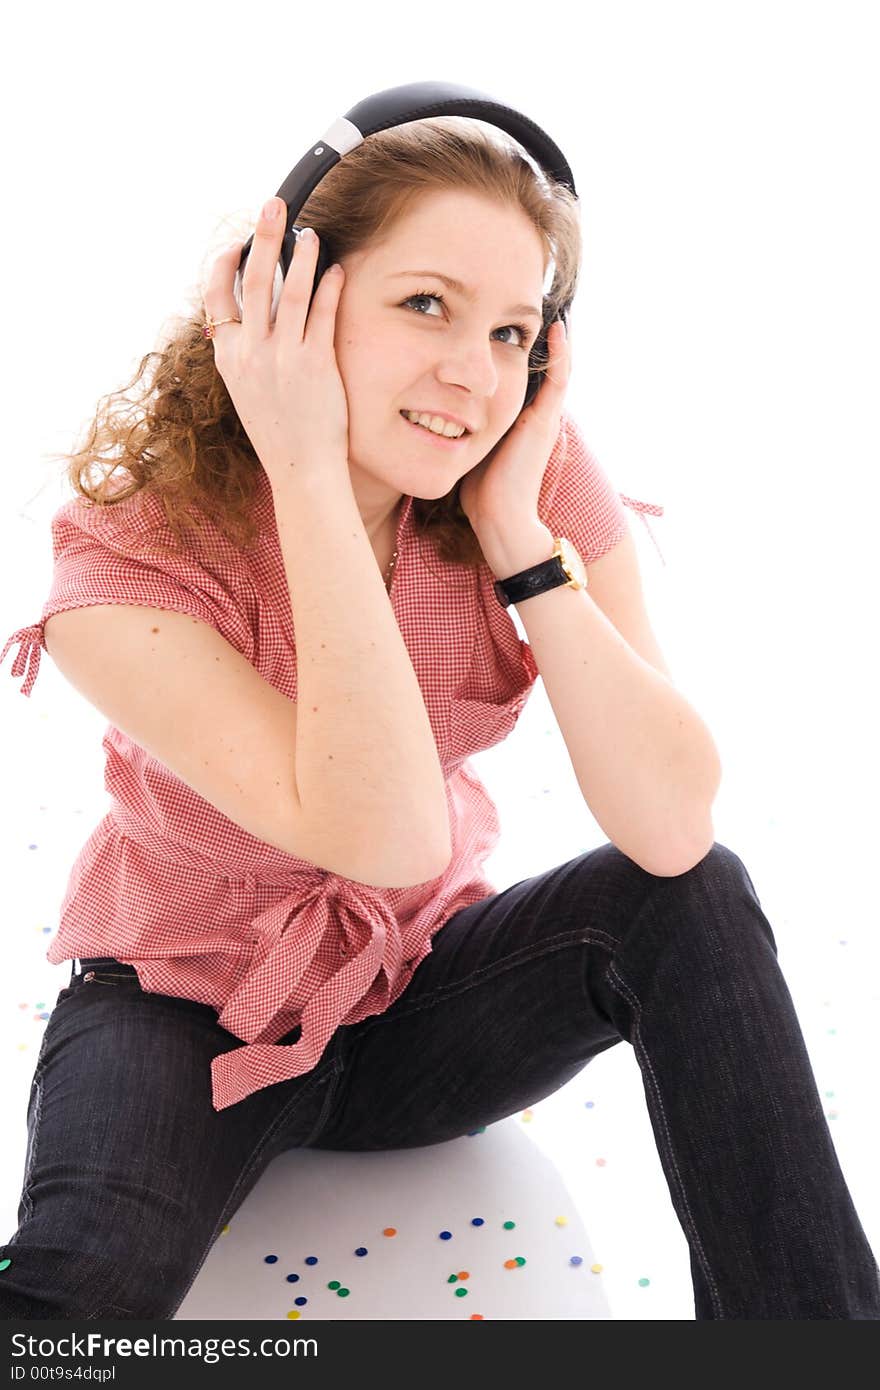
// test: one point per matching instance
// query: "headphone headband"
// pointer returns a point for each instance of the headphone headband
(416, 101)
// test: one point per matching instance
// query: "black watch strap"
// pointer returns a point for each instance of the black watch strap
(546, 575)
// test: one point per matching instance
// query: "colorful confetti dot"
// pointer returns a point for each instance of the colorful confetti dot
(271, 1259)
(589, 1104)
(460, 1293)
(390, 1231)
(643, 1283)
(293, 1313)
(509, 1225)
(446, 1235)
(361, 1250)
(477, 1317)
(600, 1162)
(293, 1278)
(4, 1264)
(463, 1274)
(527, 1116)
(311, 1260)
(477, 1221)
(343, 1293)
(301, 1302)
(576, 1260)
(334, 1284)
(562, 1221)
(596, 1269)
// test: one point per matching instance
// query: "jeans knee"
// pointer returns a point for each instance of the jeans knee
(720, 887)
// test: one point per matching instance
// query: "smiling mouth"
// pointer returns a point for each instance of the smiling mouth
(443, 438)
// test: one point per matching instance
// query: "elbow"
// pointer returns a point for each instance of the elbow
(672, 866)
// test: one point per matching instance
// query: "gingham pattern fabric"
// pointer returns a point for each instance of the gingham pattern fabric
(202, 909)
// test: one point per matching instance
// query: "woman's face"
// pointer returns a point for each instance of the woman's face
(462, 356)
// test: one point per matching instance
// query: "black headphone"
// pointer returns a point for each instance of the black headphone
(396, 106)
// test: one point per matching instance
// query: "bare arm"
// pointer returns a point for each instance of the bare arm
(366, 762)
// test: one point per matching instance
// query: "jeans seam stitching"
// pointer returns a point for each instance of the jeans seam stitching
(456, 987)
(626, 992)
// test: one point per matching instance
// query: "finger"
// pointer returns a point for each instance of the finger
(293, 306)
(321, 324)
(259, 272)
(217, 296)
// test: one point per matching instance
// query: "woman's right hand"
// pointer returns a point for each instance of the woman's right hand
(282, 378)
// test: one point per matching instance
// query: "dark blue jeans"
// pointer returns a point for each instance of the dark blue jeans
(131, 1174)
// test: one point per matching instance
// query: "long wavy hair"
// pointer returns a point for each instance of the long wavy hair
(173, 430)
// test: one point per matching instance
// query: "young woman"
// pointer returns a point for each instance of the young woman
(290, 614)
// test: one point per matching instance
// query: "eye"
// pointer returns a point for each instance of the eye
(524, 333)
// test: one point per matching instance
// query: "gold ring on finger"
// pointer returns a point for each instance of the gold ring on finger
(212, 324)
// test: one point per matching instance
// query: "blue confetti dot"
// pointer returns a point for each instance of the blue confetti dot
(361, 1250)
(300, 1302)
(293, 1278)
(311, 1259)
(478, 1221)
(446, 1235)
(576, 1260)
(590, 1104)
(271, 1259)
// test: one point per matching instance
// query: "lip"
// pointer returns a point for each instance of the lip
(450, 419)
(430, 437)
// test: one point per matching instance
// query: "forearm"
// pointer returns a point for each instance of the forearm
(645, 762)
(367, 766)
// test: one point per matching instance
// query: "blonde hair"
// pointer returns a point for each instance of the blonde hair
(173, 430)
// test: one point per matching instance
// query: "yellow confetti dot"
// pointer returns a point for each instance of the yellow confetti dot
(562, 1221)
(526, 1115)
(596, 1269)
(294, 1313)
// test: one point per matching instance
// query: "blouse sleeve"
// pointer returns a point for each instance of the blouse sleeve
(578, 501)
(92, 564)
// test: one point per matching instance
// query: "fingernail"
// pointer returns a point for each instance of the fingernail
(271, 209)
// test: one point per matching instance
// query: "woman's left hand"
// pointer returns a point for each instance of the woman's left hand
(503, 489)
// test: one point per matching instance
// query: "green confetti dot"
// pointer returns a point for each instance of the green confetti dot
(4, 1264)
(334, 1284)
(520, 1260)
(343, 1293)
(453, 1279)
(460, 1293)
(509, 1225)
(643, 1283)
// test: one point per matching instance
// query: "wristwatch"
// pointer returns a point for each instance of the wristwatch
(565, 566)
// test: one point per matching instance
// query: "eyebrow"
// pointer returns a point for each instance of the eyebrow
(461, 289)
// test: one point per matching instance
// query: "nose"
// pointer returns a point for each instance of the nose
(470, 365)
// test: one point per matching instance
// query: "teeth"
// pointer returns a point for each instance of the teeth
(436, 424)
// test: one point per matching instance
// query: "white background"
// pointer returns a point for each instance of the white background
(725, 365)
